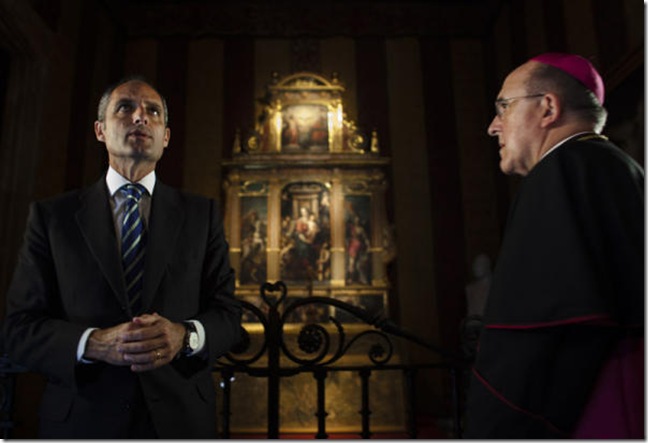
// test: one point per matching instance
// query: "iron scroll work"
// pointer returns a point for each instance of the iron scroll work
(317, 347)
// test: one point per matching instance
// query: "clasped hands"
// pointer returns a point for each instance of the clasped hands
(144, 343)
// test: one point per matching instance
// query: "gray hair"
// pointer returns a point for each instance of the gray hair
(105, 98)
(577, 99)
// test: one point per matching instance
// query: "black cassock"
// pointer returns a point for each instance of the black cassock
(567, 291)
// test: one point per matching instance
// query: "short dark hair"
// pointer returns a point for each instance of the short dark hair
(577, 99)
(105, 97)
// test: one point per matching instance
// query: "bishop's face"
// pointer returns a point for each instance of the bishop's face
(134, 126)
(517, 123)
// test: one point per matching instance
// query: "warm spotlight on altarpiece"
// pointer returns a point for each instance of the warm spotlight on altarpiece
(306, 198)
(305, 204)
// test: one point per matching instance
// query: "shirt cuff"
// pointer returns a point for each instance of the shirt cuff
(82, 346)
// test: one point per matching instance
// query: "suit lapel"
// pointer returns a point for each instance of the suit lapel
(165, 222)
(95, 221)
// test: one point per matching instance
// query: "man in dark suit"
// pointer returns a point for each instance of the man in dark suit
(126, 342)
(561, 352)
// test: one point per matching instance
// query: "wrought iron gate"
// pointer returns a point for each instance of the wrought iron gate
(321, 346)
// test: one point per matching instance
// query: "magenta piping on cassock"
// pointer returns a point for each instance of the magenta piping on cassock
(513, 406)
(597, 319)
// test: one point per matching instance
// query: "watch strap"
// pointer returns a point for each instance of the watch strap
(190, 328)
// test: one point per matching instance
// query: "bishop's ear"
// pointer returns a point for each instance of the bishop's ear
(552, 108)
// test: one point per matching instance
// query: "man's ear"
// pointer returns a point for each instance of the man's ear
(167, 136)
(99, 131)
(552, 109)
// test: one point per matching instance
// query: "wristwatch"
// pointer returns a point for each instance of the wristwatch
(190, 339)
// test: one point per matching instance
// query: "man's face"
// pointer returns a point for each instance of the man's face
(134, 125)
(517, 124)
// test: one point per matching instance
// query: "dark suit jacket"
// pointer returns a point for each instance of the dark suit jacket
(69, 278)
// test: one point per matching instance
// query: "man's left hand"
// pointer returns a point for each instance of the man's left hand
(153, 342)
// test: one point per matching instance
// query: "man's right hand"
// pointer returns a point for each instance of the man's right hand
(105, 344)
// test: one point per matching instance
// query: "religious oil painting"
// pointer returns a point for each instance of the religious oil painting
(248, 316)
(307, 313)
(254, 216)
(304, 128)
(357, 220)
(305, 233)
(373, 304)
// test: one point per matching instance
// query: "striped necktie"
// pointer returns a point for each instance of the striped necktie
(133, 234)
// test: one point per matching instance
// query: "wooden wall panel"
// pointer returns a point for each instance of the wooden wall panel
(554, 25)
(81, 97)
(371, 89)
(634, 14)
(173, 83)
(57, 105)
(140, 58)
(338, 55)
(580, 31)
(477, 151)
(517, 30)
(534, 32)
(611, 34)
(204, 148)
(238, 89)
(442, 164)
(411, 182)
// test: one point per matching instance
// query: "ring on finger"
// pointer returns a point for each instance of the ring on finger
(158, 355)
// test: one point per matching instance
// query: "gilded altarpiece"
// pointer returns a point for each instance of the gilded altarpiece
(305, 204)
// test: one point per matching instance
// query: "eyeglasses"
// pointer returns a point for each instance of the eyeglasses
(502, 104)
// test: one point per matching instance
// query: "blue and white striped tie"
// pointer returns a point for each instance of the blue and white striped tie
(133, 235)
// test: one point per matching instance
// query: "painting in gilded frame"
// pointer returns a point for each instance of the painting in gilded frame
(305, 232)
(357, 223)
(305, 128)
(254, 216)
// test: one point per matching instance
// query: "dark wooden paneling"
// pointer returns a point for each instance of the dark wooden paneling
(554, 20)
(445, 188)
(519, 51)
(49, 11)
(238, 100)
(172, 81)
(82, 97)
(611, 31)
(372, 99)
(5, 65)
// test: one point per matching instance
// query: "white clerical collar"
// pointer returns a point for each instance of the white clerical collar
(115, 180)
(562, 142)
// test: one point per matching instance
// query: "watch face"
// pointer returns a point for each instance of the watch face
(193, 340)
